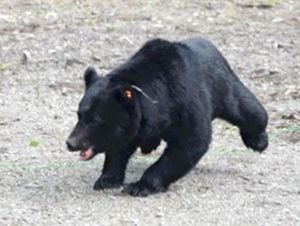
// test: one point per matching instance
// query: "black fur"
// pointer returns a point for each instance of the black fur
(192, 84)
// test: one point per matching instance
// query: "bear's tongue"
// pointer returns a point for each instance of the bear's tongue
(86, 154)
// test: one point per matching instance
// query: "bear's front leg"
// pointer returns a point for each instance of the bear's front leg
(175, 162)
(113, 171)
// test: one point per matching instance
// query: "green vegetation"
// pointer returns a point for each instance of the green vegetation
(34, 143)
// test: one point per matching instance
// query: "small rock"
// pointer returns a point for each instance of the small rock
(277, 20)
(159, 214)
(291, 116)
(25, 56)
(71, 59)
(96, 58)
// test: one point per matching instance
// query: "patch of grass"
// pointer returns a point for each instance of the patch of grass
(276, 134)
(270, 2)
(5, 66)
(111, 29)
(230, 128)
(34, 143)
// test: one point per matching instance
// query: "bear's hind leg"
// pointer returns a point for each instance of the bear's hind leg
(245, 111)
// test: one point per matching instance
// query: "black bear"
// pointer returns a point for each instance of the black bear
(167, 91)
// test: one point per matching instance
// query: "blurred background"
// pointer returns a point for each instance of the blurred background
(46, 45)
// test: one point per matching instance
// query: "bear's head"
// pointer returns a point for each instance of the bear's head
(108, 116)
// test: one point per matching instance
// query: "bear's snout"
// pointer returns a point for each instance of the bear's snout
(71, 144)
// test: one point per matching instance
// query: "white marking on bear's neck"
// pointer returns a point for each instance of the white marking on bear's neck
(143, 93)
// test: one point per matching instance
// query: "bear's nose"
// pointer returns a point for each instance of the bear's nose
(71, 144)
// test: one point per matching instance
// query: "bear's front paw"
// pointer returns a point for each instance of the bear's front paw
(143, 188)
(107, 182)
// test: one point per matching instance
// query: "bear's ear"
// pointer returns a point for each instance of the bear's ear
(90, 76)
(128, 94)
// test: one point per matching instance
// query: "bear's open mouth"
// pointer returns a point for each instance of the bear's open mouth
(87, 154)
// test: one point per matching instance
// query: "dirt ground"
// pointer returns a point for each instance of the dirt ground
(46, 45)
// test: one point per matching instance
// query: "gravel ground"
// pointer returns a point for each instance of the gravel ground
(46, 45)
